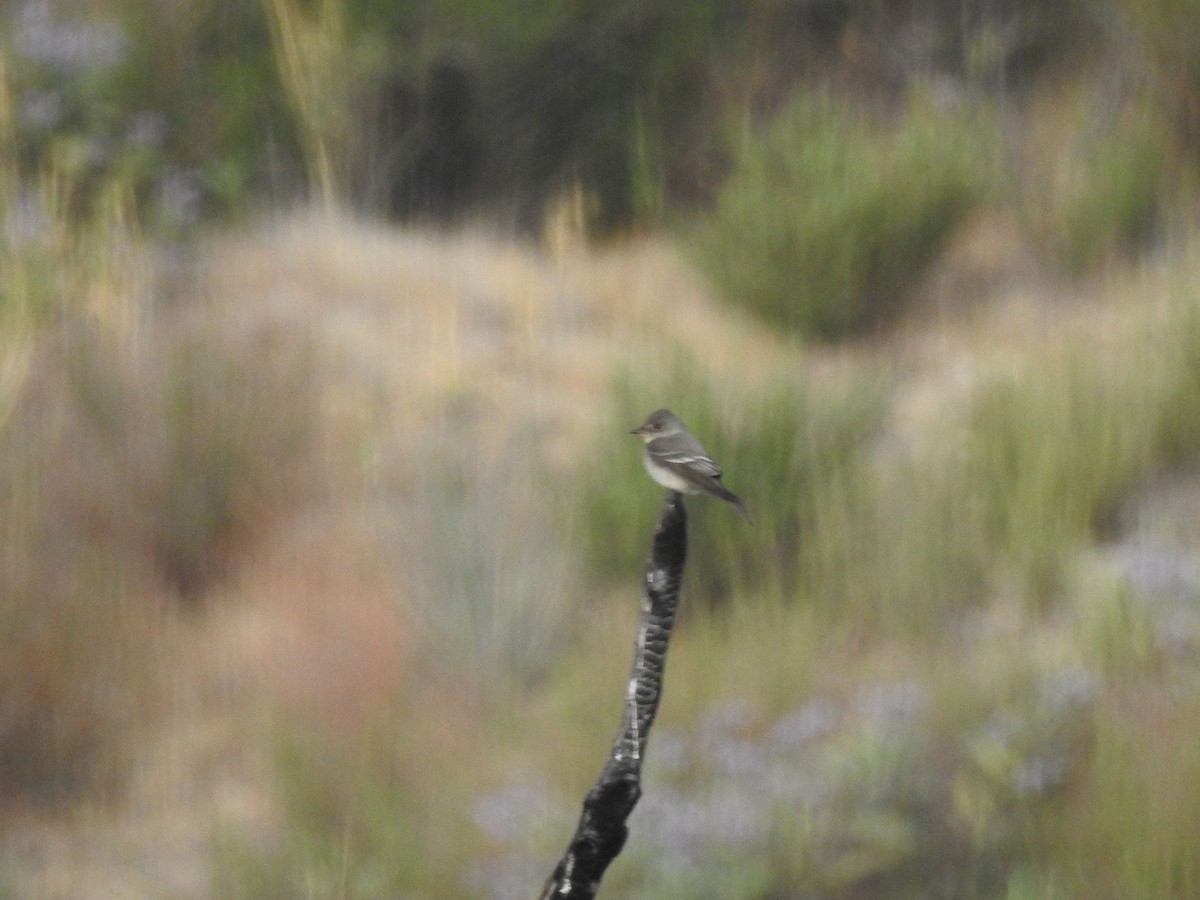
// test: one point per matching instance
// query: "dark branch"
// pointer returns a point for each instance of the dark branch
(601, 832)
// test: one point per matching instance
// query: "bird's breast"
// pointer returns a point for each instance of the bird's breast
(666, 477)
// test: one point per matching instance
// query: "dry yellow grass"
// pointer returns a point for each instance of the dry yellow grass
(416, 343)
(520, 340)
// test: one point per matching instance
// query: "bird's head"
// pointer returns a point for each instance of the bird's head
(659, 422)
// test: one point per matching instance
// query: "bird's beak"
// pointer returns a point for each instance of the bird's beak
(640, 430)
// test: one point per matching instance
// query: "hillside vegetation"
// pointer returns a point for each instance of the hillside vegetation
(323, 533)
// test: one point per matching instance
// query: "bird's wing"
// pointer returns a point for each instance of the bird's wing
(697, 461)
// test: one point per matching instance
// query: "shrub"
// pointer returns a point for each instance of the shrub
(131, 448)
(793, 454)
(1129, 828)
(127, 477)
(381, 813)
(829, 217)
(178, 102)
(1033, 468)
(1167, 43)
(1104, 196)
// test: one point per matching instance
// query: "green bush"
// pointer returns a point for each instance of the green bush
(361, 823)
(1051, 455)
(178, 101)
(1114, 192)
(1167, 44)
(994, 496)
(211, 107)
(1001, 504)
(829, 217)
(1034, 468)
(1130, 830)
(792, 454)
(1179, 424)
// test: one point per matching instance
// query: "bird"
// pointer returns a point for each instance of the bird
(678, 462)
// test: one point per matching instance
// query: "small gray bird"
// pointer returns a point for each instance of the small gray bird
(676, 460)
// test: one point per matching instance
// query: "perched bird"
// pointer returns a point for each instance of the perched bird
(676, 460)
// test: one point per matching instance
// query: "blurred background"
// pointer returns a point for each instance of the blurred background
(322, 324)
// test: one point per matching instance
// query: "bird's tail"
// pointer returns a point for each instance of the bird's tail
(741, 508)
(735, 501)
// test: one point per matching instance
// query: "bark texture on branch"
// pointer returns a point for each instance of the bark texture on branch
(601, 832)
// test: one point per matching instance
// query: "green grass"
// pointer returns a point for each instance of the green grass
(792, 454)
(1109, 197)
(1050, 456)
(1163, 33)
(930, 773)
(1029, 468)
(937, 594)
(495, 575)
(1130, 831)
(874, 558)
(357, 825)
(1003, 719)
(829, 218)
